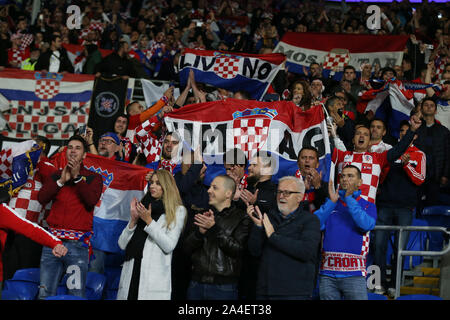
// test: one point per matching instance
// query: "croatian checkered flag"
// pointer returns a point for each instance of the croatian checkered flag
(336, 58)
(231, 71)
(27, 39)
(17, 163)
(149, 143)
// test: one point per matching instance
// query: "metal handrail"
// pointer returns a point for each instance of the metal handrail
(401, 252)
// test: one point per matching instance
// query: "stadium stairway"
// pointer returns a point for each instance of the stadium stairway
(432, 276)
(425, 280)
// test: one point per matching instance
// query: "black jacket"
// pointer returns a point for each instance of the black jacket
(217, 254)
(288, 259)
(43, 62)
(266, 199)
(115, 65)
(435, 142)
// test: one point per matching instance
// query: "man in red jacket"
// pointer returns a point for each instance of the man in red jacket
(74, 191)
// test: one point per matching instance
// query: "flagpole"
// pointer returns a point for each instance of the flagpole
(327, 120)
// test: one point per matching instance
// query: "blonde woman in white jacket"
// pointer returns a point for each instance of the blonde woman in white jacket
(149, 239)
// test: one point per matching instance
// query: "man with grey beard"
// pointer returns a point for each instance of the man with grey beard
(286, 240)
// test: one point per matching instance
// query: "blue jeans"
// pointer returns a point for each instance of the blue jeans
(74, 262)
(206, 291)
(395, 217)
(350, 288)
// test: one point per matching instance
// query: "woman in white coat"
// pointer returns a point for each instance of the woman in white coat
(149, 239)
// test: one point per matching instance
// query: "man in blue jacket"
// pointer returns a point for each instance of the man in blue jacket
(286, 239)
(346, 220)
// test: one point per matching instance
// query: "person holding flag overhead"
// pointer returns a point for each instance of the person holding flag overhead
(371, 164)
(21, 252)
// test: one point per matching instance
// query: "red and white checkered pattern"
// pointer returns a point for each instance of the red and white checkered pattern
(26, 203)
(6, 160)
(24, 126)
(96, 25)
(27, 39)
(226, 67)
(46, 89)
(167, 165)
(17, 56)
(370, 164)
(250, 134)
(337, 60)
(150, 145)
(365, 244)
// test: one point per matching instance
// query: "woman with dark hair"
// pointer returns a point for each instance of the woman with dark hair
(300, 94)
(149, 239)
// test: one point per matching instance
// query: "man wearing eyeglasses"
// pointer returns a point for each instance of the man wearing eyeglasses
(286, 240)
(109, 146)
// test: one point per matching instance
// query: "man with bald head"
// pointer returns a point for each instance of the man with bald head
(216, 244)
(286, 240)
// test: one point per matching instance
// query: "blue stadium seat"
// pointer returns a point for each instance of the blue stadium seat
(19, 290)
(376, 296)
(112, 282)
(65, 297)
(29, 274)
(417, 241)
(437, 216)
(95, 284)
(24, 285)
(419, 297)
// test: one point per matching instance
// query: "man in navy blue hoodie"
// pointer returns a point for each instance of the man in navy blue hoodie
(346, 220)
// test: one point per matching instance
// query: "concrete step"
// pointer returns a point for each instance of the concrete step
(426, 282)
(431, 272)
(416, 290)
